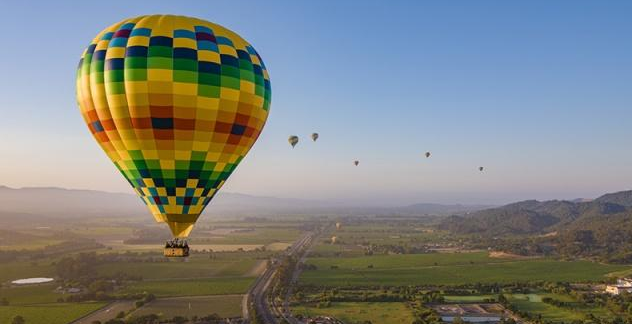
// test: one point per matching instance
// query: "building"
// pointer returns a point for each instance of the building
(622, 285)
(471, 313)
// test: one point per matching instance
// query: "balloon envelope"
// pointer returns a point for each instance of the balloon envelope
(314, 136)
(293, 140)
(480, 168)
(427, 154)
(176, 103)
(356, 162)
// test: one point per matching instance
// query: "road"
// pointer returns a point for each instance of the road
(106, 313)
(268, 309)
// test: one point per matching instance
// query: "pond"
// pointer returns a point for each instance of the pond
(29, 281)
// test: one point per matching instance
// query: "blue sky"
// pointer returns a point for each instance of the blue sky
(538, 92)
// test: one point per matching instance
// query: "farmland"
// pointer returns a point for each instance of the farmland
(211, 286)
(224, 306)
(376, 313)
(226, 259)
(48, 313)
(448, 269)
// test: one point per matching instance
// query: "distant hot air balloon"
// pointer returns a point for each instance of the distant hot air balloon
(427, 154)
(176, 103)
(314, 136)
(356, 162)
(333, 240)
(480, 169)
(293, 140)
(338, 225)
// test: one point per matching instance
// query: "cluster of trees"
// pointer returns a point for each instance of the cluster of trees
(81, 272)
(393, 294)
(401, 248)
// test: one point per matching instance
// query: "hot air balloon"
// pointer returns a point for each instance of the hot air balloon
(480, 169)
(314, 136)
(293, 140)
(356, 162)
(338, 225)
(333, 240)
(176, 103)
(427, 154)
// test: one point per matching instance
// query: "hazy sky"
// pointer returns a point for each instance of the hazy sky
(538, 92)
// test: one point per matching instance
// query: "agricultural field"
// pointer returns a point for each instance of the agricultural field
(448, 269)
(223, 305)
(31, 294)
(468, 299)
(352, 312)
(58, 313)
(245, 235)
(533, 303)
(19, 269)
(196, 267)
(197, 287)
(390, 233)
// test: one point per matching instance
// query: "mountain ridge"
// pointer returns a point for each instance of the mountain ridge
(539, 217)
(58, 202)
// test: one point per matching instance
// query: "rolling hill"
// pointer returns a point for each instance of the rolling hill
(539, 217)
(28, 204)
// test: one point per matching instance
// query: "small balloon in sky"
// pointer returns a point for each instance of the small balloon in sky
(314, 136)
(293, 140)
(480, 169)
(356, 162)
(427, 154)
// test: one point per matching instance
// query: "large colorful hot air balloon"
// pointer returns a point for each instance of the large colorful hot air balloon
(176, 103)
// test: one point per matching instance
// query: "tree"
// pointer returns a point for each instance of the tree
(458, 320)
(18, 320)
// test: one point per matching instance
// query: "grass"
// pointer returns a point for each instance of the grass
(451, 269)
(167, 308)
(468, 299)
(20, 270)
(172, 288)
(49, 313)
(533, 303)
(348, 312)
(195, 268)
(260, 236)
(31, 294)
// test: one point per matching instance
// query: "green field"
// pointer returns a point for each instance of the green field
(450, 269)
(31, 294)
(377, 313)
(468, 299)
(224, 306)
(259, 235)
(20, 270)
(49, 313)
(533, 303)
(213, 286)
(201, 267)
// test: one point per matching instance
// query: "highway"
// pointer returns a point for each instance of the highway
(269, 310)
